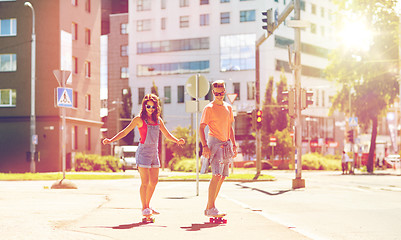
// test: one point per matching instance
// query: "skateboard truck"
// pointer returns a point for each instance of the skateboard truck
(148, 219)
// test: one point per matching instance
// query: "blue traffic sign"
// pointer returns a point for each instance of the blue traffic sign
(64, 97)
(353, 122)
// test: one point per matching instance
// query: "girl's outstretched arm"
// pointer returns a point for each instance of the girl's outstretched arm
(135, 122)
(168, 135)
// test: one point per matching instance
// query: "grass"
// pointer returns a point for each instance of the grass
(56, 176)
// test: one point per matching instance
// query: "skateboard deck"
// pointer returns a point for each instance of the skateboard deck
(148, 219)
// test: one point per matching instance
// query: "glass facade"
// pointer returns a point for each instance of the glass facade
(172, 45)
(172, 68)
(237, 52)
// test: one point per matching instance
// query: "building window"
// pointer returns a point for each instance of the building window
(172, 45)
(74, 31)
(163, 4)
(180, 94)
(88, 6)
(322, 12)
(75, 99)
(173, 68)
(167, 94)
(124, 28)
(74, 137)
(141, 95)
(87, 69)
(8, 62)
(88, 138)
(204, 20)
(250, 90)
(184, 3)
(313, 10)
(143, 5)
(204, 2)
(8, 97)
(74, 2)
(8, 27)
(163, 23)
(237, 90)
(313, 28)
(247, 16)
(184, 21)
(88, 102)
(124, 73)
(87, 36)
(237, 52)
(124, 50)
(143, 25)
(75, 65)
(224, 1)
(224, 17)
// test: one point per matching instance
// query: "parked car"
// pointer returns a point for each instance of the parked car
(127, 156)
(393, 159)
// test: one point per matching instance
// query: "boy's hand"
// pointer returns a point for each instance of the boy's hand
(206, 152)
(235, 151)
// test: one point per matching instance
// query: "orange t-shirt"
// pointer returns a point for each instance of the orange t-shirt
(219, 118)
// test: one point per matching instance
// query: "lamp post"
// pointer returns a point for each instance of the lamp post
(33, 139)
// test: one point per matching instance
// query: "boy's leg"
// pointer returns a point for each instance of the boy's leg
(213, 190)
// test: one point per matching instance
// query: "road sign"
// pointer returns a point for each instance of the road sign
(273, 141)
(231, 97)
(64, 97)
(353, 122)
(203, 86)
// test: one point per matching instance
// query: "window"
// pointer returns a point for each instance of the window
(247, 16)
(313, 9)
(8, 62)
(322, 12)
(88, 102)
(74, 137)
(143, 5)
(124, 73)
(163, 4)
(124, 28)
(75, 99)
(141, 95)
(88, 6)
(75, 65)
(88, 138)
(167, 94)
(224, 17)
(74, 2)
(87, 69)
(204, 20)
(237, 52)
(87, 36)
(124, 50)
(184, 21)
(184, 3)
(180, 94)
(224, 1)
(74, 31)
(172, 45)
(173, 68)
(163, 23)
(203, 2)
(8, 97)
(251, 90)
(8, 27)
(143, 25)
(237, 90)
(313, 28)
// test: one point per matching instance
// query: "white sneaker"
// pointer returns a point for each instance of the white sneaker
(147, 212)
(154, 212)
(214, 212)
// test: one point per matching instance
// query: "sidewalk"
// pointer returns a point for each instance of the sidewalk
(111, 210)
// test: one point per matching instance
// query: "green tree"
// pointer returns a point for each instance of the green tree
(282, 116)
(269, 116)
(368, 73)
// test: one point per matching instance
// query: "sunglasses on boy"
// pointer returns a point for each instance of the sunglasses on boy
(149, 106)
(219, 93)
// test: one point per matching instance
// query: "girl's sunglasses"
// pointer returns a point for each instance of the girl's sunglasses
(148, 107)
(219, 94)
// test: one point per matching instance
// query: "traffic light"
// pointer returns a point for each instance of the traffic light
(250, 120)
(350, 136)
(268, 20)
(289, 101)
(259, 119)
(306, 98)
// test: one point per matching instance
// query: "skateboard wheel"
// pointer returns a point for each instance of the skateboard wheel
(211, 220)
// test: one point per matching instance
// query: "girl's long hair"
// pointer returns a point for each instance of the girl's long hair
(156, 113)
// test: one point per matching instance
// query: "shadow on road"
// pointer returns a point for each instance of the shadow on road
(129, 226)
(278, 192)
(199, 226)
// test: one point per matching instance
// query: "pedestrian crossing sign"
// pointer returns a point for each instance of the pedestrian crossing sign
(64, 97)
(353, 122)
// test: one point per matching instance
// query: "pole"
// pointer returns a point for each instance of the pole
(196, 134)
(298, 182)
(33, 78)
(63, 143)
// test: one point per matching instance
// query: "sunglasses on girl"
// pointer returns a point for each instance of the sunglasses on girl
(219, 94)
(148, 107)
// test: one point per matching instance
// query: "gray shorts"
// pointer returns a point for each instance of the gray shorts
(218, 168)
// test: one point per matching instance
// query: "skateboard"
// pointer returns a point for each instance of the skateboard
(148, 219)
(218, 219)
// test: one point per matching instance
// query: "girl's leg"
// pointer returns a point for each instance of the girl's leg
(145, 176)
(153, 180)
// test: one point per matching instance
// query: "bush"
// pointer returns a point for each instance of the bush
(93, 162)
(183, 164)
(315, 161)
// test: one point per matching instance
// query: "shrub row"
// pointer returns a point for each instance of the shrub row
(93, 162)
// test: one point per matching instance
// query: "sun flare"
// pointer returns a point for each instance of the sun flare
(356, 35)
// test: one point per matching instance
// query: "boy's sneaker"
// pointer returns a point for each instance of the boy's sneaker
(147, 212)
(214, 212)
(154, 212)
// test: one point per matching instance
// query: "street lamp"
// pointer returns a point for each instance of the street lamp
(34, 138)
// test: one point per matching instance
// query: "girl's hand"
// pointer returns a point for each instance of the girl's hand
(181, 141)
(106, 141)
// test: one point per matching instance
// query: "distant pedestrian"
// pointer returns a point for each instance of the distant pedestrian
(344, 162)
(149, 124)
(220, 146)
